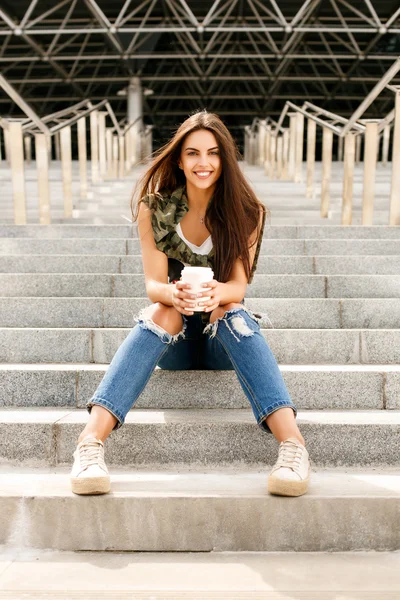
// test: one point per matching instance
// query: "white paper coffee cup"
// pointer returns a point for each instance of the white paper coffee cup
(196, 276)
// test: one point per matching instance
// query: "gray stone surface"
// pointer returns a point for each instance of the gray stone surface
(297, 346)
(223, 511)
(310, 387)
(335, 438)
(68, 295)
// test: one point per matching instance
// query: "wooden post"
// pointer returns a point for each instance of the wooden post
(298, 176)
(348, 178)
(394, 213)
(42, 166)
(385, 145)
(279, 159)
(28, 149)
(311, 135)
(292, 145)
(82, 157)
(16, 154)
(285, 154)
(370, 147)
(115, 156)
(327, 142)
(94, 146)
(109, 152)
(102, 144)
(121, 171)
(66, 168)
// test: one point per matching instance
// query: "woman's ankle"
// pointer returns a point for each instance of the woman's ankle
(87, 435)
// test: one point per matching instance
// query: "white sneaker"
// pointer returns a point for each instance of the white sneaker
(291, 473)
(89, 474)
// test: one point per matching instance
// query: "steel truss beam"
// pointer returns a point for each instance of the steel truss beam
(276, 56)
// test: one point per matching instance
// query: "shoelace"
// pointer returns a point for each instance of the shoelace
(289, 455)
(91, 453)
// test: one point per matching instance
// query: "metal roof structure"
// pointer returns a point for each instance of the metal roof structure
(239, 58)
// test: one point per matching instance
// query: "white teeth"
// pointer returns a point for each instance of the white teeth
(203, 173)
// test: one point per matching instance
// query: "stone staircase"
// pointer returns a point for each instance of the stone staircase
(189, 468)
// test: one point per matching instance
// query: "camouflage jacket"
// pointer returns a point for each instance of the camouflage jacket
(171, 209)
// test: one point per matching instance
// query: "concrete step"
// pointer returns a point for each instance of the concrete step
(130, 285)
(297, 265)
(124, 230)
(222, 510)
(203, 437)
(199, 575)
(291, 346)
(312, 387)
(283, 313)
(120, 246)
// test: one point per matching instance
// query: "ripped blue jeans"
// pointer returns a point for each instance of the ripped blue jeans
(233, 342)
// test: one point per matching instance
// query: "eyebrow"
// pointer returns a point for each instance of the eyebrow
(198, 150)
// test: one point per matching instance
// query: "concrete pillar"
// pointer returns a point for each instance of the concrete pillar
(267, 161)
(279, 158)
(121, 171)
(394, 213)
(66, 168)
(57, 145)
(7, 146)
(385, 145)
(261, 142)
(94, 145)
(298, 175)
(42, 166)
(285, 154)
(327, 143)
(358, 148)
(370, 152)
(48, 142)
(340, 148)
(115, 156)
(82, 157)
(292, 145)
(109, 152)
(28, 149)
(102, 144)
(272, 158)
(15, 146)
(311, 136)
(348, 178)
(135, 111)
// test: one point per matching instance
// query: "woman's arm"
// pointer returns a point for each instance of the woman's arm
(155, 263)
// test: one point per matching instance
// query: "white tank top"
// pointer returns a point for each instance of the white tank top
(205, 248)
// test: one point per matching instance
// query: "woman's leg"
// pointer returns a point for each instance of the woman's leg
(158, 327)
(238, 331)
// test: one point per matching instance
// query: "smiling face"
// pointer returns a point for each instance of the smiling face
(200, 159)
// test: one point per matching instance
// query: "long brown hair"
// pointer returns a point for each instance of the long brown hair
(234, 212)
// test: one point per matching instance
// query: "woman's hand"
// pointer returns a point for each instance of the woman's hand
(214, 293)
(183, 298)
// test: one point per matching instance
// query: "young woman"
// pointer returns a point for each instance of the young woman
(195, 207)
